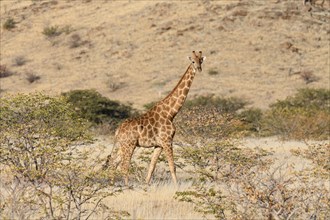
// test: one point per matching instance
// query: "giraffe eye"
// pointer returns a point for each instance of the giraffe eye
(193, 61)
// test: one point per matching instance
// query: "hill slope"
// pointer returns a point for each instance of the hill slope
(135, 51)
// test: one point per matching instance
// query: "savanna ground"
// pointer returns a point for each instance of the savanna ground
(259, 53)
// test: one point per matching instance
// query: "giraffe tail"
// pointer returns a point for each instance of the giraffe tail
(111, 158)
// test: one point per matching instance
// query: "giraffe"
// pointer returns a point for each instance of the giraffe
(155, 128)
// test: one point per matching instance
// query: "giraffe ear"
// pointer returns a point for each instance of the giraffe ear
(189, 58)
(203, 58)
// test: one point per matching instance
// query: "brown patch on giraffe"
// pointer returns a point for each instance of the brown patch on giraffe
(162, 120)
(177, 106)
(157, 116)
(182, 86)
(150, 134)
(155, 130)
(151, 121)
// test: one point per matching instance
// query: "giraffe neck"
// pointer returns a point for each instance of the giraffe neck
(173, 102)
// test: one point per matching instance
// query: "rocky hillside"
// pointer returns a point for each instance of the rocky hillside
(135, 51)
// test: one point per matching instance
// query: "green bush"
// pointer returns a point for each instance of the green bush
(305, 115)
(96, 108)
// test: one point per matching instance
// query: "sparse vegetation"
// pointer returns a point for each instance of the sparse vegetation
(251, 119)
(9, 24)
(308, 76)
(43, 162)
(114, 86)
(32, 77)
(225, 105)
(319, 154)
(19, 61)
(4, 71)
(236, 183)
(75, 41)
(213, 72)
(98, 109)
(303, 116)
(52, 31)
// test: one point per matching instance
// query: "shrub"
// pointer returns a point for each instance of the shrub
(4, 71)
(209, 116)
(52, 31)
(241, 183)
(213, 72)
(43, 162)
(32, 77)
(9, 24)
(207, 122)
(315, 99)
(224, 105)
(251, 119)
(96, 108)
(19, 61)
(319, 155)
(303, 116)
(75, 41)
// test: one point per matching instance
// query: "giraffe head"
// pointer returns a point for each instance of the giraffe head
(197, 60)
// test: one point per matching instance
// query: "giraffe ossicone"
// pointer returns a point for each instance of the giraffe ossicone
(155, 128)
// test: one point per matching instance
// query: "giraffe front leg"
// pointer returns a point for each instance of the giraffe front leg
(153, 163)
(169, 154)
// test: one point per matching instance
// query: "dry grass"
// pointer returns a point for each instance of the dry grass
(154, 202)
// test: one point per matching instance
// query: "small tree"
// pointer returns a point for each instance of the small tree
(47, 171)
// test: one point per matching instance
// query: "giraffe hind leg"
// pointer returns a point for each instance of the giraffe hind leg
(169, 154)
(126, 156)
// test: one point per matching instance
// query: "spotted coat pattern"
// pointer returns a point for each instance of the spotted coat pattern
(155, 128)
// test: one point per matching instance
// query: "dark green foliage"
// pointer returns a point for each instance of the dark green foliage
(98, 109)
